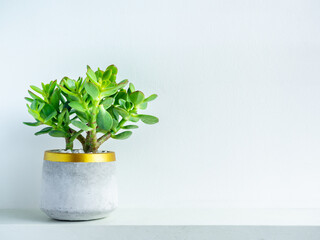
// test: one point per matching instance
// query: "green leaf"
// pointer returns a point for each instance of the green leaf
(38, 90)
(29, 99)
(77, 106)
(32, 124)
(48, 112)
(123, 83)
(57, 133)
(104, 119)
(123, 135)
(148, 119)
(98, 74)
(113, 68)
(91, 75)
(143, 105)
(52, 85)
(66, 91)
(43, 131)
(33, 113)
(106, 75)
(92, 90)
(34, 96)
(34, 105)
(70, 83)
(81, 125)
(107, 102)
(109, 91)
(130, 127)
(122, 112)
(122, 103)
(113, 78)
(54, 99)
(114, 124)
(151, 98)
(136, 97)
(49, 117)
(61, 117)
(82, 116)
(131, 87)
(133, 119)
(67, 118)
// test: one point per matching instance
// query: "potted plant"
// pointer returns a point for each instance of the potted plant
(80, 184)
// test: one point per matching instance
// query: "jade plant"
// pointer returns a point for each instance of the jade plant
(93, 105)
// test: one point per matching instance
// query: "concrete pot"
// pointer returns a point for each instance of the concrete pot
(78, 186)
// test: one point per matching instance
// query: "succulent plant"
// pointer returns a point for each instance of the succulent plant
(94, 104)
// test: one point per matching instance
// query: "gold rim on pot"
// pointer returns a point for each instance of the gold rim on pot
(54, 156)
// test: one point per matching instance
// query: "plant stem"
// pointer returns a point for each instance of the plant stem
(103, 138)
(69, 144)
(92, 144)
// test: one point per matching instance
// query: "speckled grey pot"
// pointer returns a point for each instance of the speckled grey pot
(76, 191)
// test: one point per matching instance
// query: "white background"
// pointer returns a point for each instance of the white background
(238, 85)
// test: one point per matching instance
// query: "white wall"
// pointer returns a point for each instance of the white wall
(238, 85)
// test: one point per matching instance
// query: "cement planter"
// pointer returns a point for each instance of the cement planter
(78, 186)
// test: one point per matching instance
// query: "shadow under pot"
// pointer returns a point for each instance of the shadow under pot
(78, 186)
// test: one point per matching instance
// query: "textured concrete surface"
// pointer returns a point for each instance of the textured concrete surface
(78, 191)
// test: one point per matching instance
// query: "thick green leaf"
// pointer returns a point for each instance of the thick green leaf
(130, 127)
(48, 112)
(34, 105)
(107, 102)
(77, 106)
(109, 91)
(106, 75)
(99, 74)
(122, 112)
(70, 83)
(54, 99)
(67, 118)
(148, 119)
(133, 119)
(82, 116)
(57, 133)
(34, 96)
(66, 91)
(143, 105)
(61, 117)
(136, 97)
(123, 83)
(33, 113)
(104, 119)
(48, 118)
(92, 90)
(81, 125)
(32, 124)
(131, 87)
(91, 75)
(52, 85)
(114, 124)
(43, 131)
(151, 98)
(113, 78)
(113, 68)
(122, 103)
(38, 90)
(123, 135)
(29, 99)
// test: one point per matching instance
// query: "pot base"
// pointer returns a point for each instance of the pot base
(75, 216)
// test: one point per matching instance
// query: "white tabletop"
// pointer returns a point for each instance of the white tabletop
(167, 224)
